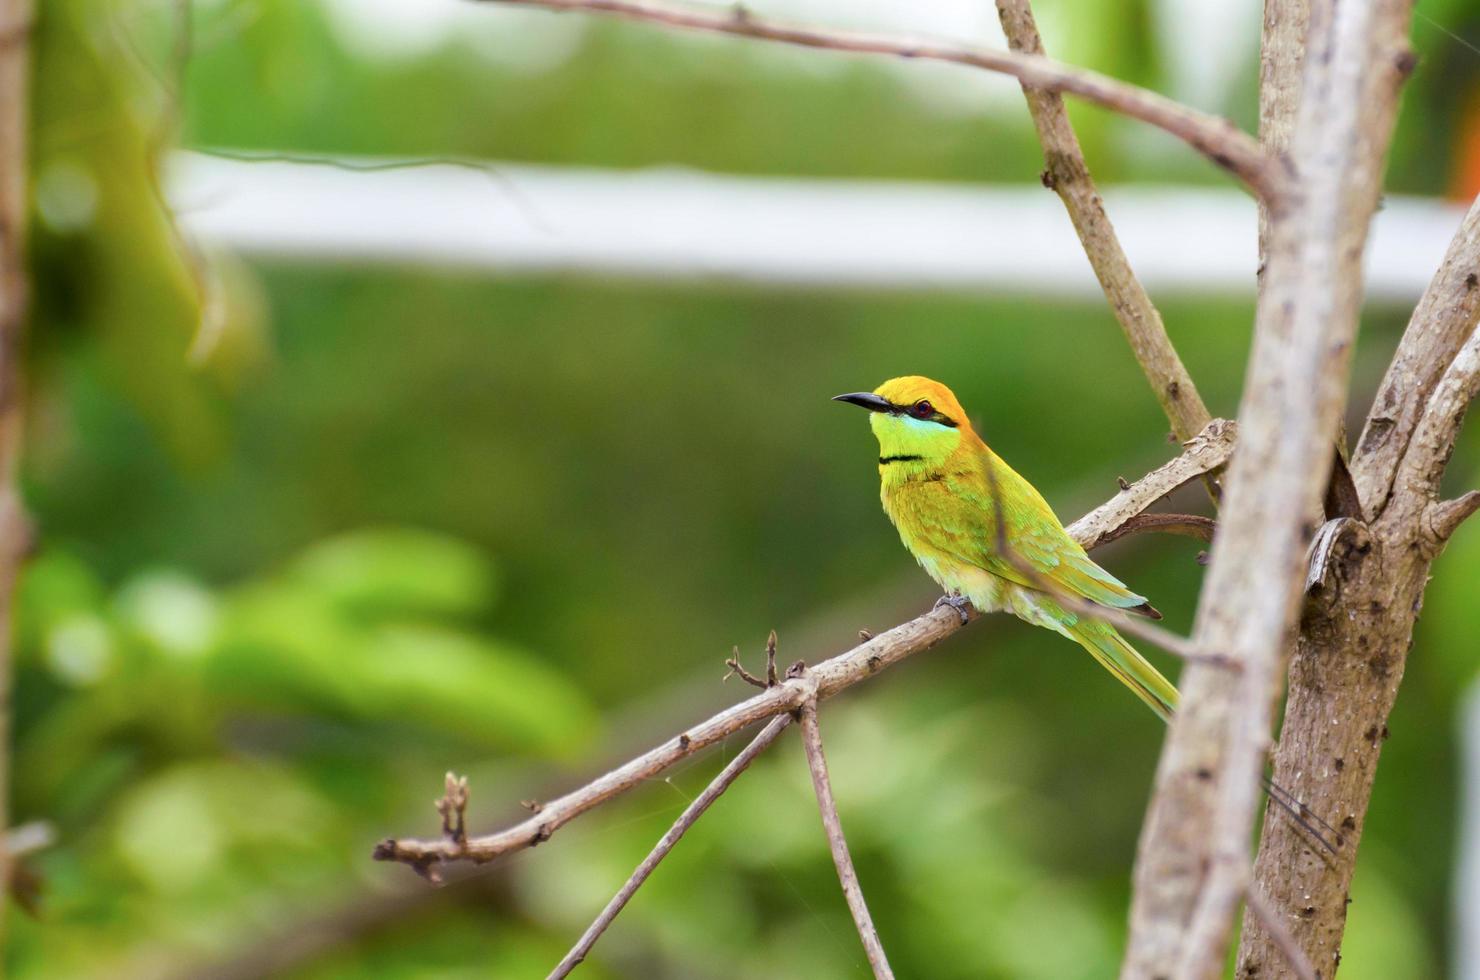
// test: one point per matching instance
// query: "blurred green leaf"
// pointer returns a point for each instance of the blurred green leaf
(392, 572)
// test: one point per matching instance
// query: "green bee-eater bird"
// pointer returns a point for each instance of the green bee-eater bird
(944, 488)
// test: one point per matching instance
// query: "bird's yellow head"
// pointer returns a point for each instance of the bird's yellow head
(916, 420)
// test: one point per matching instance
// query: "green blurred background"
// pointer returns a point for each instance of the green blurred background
(385, 522)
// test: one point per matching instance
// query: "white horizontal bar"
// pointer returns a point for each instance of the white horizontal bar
(668, 223)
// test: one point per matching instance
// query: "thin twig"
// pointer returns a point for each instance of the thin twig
(1186, 525)
(1216, 138)
(737, 669)
(1067, 174)
(1432, 442)
(687, 819)
(1444, 317)
(1204, 454)
(838, 844)
(453, 808)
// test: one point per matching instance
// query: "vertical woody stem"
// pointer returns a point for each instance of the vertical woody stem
(852, 891)
(1193, 861)
(1068, 176)
(687, 819)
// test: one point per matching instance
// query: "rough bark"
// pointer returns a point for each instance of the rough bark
(1445, 315)
(1362, 600)
(1192, 866)
(1281, 59)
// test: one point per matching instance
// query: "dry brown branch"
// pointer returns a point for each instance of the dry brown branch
(15, 27)
(1445, 516)
(1192, 862)
(1185, 525)
(1281, 58)
(453, 807)
(1362, 599)
(1446, 314)
(1216, 138)
(833, 675)
(1422, 466)
(738, 670)
(1067, 175)
(836, 842)
(1204, 454)
(687, 819)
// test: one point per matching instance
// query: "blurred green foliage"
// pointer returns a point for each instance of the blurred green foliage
(512, 527)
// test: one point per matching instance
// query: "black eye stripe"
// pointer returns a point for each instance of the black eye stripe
(925, 412)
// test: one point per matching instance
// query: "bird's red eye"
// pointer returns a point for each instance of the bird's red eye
(922, 409)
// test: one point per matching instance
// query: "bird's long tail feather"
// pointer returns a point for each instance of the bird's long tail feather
(1107, 646)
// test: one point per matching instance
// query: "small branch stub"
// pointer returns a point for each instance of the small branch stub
(1445, 516)
(453, 808)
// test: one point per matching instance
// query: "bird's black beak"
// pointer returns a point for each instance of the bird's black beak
(866, 399)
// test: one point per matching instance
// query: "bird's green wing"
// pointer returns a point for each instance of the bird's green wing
(1039, 542)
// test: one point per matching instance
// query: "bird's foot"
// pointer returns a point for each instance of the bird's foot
(958, 602)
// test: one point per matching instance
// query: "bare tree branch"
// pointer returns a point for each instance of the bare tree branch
(1192, 863)
(1216, 138)
(1348, 664)
(1185, 525)
(1446, 314)
(1067, 174)
(1433, 438)
(1208, 452)
(1445, 516)
(1205, 454)
(15, 32)
(687, 819)
(837, 843)
(1281, 58)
